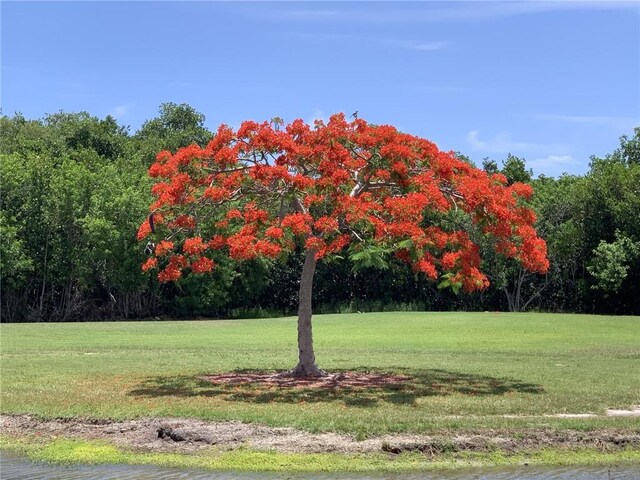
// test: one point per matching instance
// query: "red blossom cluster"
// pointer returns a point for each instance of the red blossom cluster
(194, 246)
(261, 190)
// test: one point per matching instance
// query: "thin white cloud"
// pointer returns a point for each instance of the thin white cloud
(619, 123)
(501, 143)
(431, 12)
(425, 46)
(481, 10)
(554, 165)
(119, 111)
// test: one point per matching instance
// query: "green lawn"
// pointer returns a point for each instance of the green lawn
(471, 370)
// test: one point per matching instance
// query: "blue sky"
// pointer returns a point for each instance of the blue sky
(553, 82)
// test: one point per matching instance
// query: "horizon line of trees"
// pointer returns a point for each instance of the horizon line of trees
(74, 190)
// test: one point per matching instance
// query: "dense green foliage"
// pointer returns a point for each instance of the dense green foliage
(469, 370)
(75, 189)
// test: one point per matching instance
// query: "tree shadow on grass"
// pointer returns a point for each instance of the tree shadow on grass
(369, 391)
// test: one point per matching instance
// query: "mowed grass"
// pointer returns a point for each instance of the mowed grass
(470, 370)
(68, 451)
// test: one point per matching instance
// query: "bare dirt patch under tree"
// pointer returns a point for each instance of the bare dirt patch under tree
(333, 380)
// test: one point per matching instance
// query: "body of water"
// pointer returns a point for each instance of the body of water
(14, 467)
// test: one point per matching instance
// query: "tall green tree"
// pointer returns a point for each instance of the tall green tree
(175, 127)
(610, 203)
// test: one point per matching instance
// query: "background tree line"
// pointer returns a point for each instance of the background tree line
(74, 189)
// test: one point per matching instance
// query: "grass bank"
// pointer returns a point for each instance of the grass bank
(470, 370)
(65, 451)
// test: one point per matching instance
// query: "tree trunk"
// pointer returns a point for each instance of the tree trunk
(307, 360)
(509, 298)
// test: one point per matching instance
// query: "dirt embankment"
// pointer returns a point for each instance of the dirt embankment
(187, 436)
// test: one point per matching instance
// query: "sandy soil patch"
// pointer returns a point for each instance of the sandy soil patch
(187, 435)
(633, 412)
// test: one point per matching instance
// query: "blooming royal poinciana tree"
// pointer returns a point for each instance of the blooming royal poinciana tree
(341, 186)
